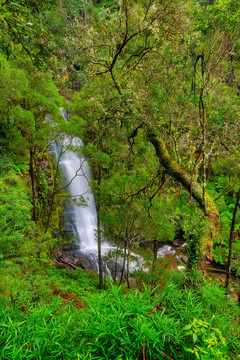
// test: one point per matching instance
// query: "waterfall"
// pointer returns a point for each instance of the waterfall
(80, 212)
(77, 173)
(81, 216)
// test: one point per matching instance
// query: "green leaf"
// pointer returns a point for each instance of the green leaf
(197, 355)
(188, 327)
(195, 338)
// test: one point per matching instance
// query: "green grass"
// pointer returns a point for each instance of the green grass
(115, 325)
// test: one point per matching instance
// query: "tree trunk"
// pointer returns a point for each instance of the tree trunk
(99, 240)
(231, 238)
(105, 275)
(116, 265)
(124, 262)
(84, 12)
(177, 172)
(155, 248)
(54, 191)
(128, 263)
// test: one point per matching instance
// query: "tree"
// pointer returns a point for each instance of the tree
(30, 113)
(21, 29)
(99, 160)
(141, 45)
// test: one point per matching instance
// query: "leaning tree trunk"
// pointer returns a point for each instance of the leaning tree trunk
(177, 172)
(231, 238)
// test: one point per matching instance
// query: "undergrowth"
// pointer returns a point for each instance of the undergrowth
(176, 322)
(48, 313)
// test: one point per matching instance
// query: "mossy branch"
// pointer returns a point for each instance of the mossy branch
(178, 173)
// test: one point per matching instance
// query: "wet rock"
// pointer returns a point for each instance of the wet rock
(86, 263)
(165, 250)
(70, 246)
(70, 256)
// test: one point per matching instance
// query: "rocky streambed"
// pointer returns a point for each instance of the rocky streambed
(71, 256)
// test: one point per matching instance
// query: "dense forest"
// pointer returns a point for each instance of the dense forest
(146, 93)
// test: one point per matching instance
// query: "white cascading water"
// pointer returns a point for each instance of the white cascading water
(84, 218)
(81, 219)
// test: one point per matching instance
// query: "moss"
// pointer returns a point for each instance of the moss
(184, 178)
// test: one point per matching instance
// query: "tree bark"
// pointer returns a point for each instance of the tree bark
(128, 263)
(54, 191)
(155, 248)
(177, 172)
(116, 265)
(99, 240)
(231, 238)
(124, 263)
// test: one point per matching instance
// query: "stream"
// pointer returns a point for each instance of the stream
(80, 214)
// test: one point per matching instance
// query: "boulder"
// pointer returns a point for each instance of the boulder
(70, 256)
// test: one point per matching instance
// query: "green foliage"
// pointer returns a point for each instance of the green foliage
(27, 98)
(15, 218)
(38, 334)
(193, 225)
(74, 6)
(220, 252)
(21, 30)
(206, 342)
(134, 63)
(116, 325)
(30, 117)
(153, 272)
(223, 14)
(225, 189)
(13, 162)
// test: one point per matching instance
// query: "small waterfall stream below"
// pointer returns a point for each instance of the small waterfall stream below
(81, 219)
(80, 214)
(80, 210)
